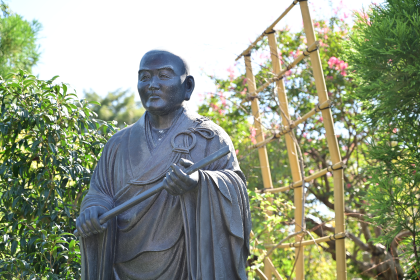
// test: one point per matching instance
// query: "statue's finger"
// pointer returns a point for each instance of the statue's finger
(94, 217)
(78, 225)
(166, 185)
(89, 217)
(185, 162)
(172, 182)
(181, 174)
(85, 226)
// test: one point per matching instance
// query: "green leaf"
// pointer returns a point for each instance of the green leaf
(14, 246)
(95, 102)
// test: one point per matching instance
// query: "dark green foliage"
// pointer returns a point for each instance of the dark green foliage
(384, 54)
(50, 144)
(119, 106)
(18, 48)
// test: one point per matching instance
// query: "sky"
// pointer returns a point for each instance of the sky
(97, 45)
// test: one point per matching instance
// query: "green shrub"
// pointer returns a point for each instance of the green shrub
(50, 144)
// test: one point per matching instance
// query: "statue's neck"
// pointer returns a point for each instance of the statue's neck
(164, 121)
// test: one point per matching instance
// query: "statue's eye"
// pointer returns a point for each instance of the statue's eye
(163, 75)
(144, 77)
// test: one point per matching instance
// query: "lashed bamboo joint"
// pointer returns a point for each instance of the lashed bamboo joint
(312, 48)
(268, 30)
(319, 107)
(332, 237)
(331, 168)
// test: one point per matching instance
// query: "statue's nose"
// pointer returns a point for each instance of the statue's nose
(154, 85)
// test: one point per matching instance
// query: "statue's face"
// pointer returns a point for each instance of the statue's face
(163, 84)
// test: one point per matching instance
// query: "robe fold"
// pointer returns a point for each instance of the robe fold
(202, 234)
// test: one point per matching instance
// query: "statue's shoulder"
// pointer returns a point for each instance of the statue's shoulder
(120, 134)
(207, 123)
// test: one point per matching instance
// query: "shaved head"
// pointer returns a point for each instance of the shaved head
(183, 62)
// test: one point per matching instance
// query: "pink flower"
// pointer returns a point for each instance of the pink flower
(231, 72)
(200, 97)
(214, 106)
(311, 171)
(223, 100)
(253, 134)
(244, 82)
(305, 134)
(394, 130)
(244, 91)
(237, 152)
(348, 186)
(316, 24)
(332, 61)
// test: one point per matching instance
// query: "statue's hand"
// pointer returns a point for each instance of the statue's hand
(88, 221)
(178, 182)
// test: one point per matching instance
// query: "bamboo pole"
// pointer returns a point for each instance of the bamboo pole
(262, 152)
(293, 124)
(278, 76)
(298, 184)
(291, 149)
(332, 143)
(261, 274)
(267, 30)
(337, 236)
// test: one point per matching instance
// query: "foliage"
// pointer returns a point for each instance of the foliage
(116, 106)
(18, 48)
(384, 50)
(49, 147)
(228, 108)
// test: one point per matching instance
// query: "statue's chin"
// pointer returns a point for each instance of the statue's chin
(162, 111)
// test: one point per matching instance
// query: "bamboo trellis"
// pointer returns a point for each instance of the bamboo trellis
(287, 131)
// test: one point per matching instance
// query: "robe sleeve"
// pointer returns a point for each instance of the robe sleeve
(217, 219)
(101, 190)
(97, 251)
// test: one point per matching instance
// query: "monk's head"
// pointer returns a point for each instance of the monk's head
(164, 82)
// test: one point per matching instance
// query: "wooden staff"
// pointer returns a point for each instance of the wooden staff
(145, 195)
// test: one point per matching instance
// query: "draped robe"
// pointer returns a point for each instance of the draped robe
(202, 234)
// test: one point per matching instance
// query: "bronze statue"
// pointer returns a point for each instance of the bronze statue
(198, 226)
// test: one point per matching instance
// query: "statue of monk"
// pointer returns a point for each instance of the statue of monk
(198, 226)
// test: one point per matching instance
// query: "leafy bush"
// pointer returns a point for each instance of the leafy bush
(50, 144)
(383, 52)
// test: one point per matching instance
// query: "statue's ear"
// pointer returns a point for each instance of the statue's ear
(189, 87)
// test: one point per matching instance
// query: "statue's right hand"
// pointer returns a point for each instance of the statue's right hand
(88, 221)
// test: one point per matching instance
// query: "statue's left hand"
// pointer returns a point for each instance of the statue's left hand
(177, 182)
